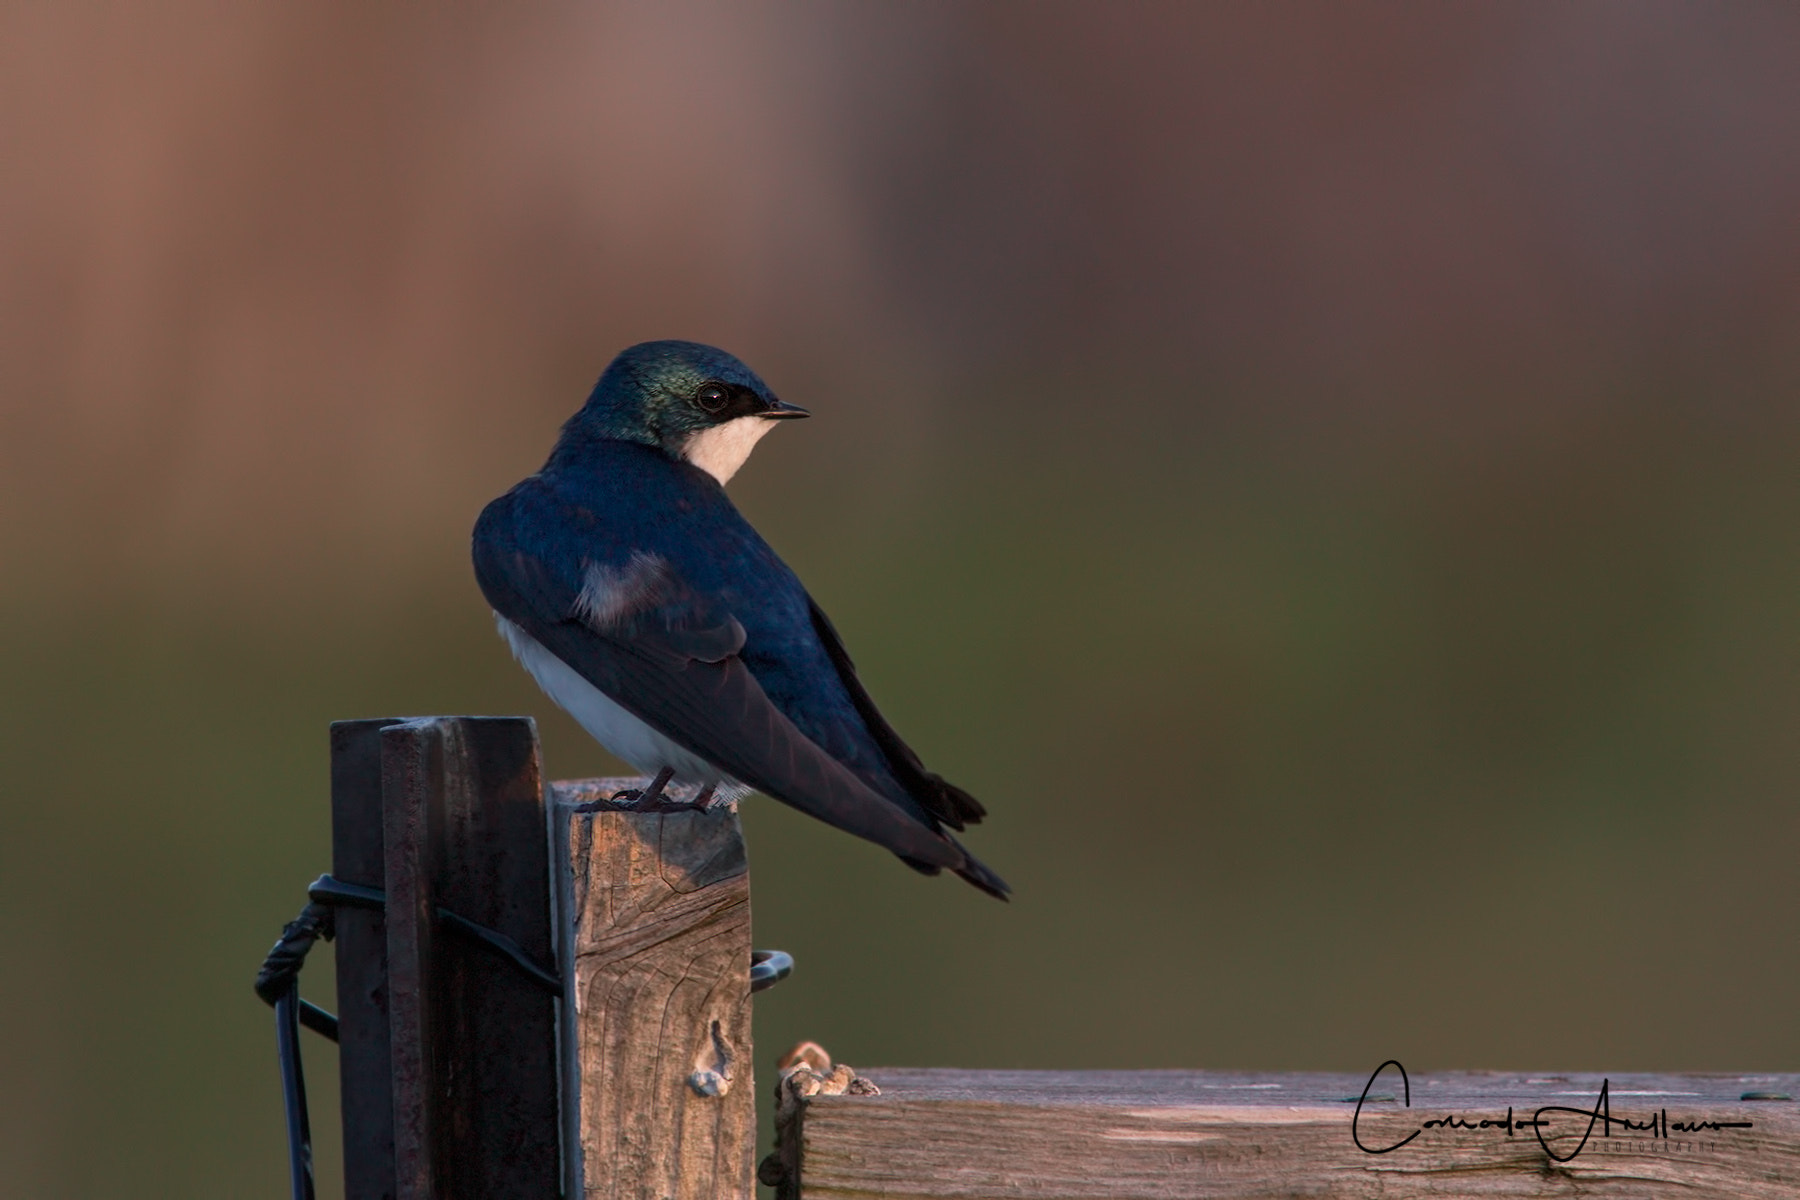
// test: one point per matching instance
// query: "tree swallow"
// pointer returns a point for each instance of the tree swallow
(646, 606)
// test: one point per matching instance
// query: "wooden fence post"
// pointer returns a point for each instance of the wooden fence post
(472, 1037)
(362, 987)
(655, 913)
(450, 1051)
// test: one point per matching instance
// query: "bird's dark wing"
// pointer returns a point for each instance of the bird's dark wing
(937, 795)
(669, 654)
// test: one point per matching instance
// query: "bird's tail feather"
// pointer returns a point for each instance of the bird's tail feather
(972, 869)
(950, 804)
(983, 877)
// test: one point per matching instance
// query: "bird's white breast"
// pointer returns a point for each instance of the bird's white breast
(609, 723)
(722, 449)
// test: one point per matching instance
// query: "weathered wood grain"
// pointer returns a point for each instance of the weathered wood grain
(472, 1038)
(1160, 1135)
(362, 1009)
(656, 909)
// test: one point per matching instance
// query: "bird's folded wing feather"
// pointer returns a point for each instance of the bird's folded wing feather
(669, 654)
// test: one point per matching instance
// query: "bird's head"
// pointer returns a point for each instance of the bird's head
(695, 402)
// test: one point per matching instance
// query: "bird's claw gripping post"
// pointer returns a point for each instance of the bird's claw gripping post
(647, 801)
(654, 798)
(644, 799)
(632, 799)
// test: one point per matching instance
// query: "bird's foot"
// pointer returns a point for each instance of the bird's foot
(659, 798)
(703, 801)
(644, 799)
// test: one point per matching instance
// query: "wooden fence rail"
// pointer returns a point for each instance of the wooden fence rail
(617, 1061)
(1163, 1135)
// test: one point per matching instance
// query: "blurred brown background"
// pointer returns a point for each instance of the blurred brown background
(1326, 477)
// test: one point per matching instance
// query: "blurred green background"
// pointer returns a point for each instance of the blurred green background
(1326, 477)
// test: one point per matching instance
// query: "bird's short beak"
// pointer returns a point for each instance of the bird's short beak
(781, 410)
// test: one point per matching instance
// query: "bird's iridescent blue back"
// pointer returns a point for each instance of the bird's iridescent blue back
(622, 498)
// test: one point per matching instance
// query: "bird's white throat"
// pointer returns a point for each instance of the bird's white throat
(722, 449)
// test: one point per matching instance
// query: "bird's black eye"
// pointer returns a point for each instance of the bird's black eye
(713, 397)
